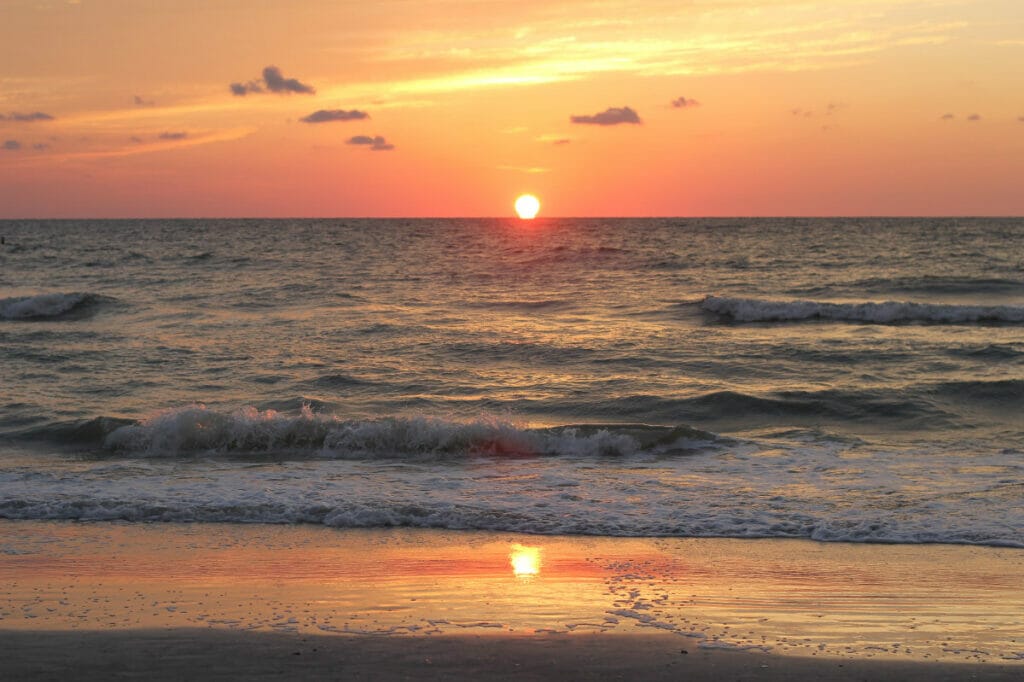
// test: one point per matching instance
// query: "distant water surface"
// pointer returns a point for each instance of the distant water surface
(857, 380)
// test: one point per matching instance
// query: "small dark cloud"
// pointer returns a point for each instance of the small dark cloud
(136, 139)
(173, 136)
(974, 117)
(1021, 119)
(684, 103)
(12, 145)
(376, 143)
(40, 146)
(278, 83)
(243, 89)
(139, 102)
(805, 113)
(947, 117)
(609, 117)
(562, 141)
(272, 81)
(26, 118)
(326, 115)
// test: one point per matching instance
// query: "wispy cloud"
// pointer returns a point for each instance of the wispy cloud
(828, 110)
(947, 117)
(375, 143)
(562, 46)
(974, 117)
(12, 145)
(609, 117)
(26, 118)
(684, 103)
(140, 102)
(173, 136)
(327, 115)
(529, 170)
(272, 81)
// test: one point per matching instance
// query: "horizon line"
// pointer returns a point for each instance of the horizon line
(543, 218)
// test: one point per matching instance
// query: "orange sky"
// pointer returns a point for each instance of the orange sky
(124, 108)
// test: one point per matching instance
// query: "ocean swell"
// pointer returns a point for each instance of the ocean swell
(887, 312)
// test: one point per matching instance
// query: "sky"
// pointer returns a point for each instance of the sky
(395, 108)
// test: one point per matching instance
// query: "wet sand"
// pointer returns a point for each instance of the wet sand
(223, 655)
(208, 601)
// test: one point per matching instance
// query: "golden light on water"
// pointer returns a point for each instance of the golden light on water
(525, 560)
(527, 206)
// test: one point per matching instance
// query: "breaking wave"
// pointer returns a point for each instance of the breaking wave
(888, 312)
(198, 430)
(48, 306)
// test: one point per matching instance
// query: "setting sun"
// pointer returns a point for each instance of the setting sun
(527, 206)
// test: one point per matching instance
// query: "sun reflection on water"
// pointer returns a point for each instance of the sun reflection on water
(525, 560)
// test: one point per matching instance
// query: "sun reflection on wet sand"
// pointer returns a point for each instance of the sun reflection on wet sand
(525, 560)
(795, 597)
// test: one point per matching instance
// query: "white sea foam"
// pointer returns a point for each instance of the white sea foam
(887, 312)
(197, 429)
(812, 491)
(41, 306)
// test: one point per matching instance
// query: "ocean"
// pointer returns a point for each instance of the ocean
(856, 380)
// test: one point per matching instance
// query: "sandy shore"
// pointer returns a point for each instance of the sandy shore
(207, 601)
(217, 654)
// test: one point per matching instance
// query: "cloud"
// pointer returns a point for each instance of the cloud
(609, 117)
(26, 118)
(278, 83)
(12, 145)
(40, 146)
(139, 102)
(683, 103)
(974, 117)
(272, 81)
(243, 89)
(1021, 119)
(325, 115)
(173, 136)
(947, 117)
(531, 170)
(376, 144)
(561, 141)
(830, 108)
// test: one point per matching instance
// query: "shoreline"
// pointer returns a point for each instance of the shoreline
(105, 599)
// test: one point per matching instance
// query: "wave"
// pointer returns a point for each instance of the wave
(1008, 393)
(198, 430)
(721, 521)
(927, 284)
(888, 312)
(49, 306)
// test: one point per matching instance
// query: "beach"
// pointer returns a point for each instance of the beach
(220, 601)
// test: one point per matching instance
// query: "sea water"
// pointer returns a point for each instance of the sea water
(836, 379)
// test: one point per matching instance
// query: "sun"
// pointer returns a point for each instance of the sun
(527, 206)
